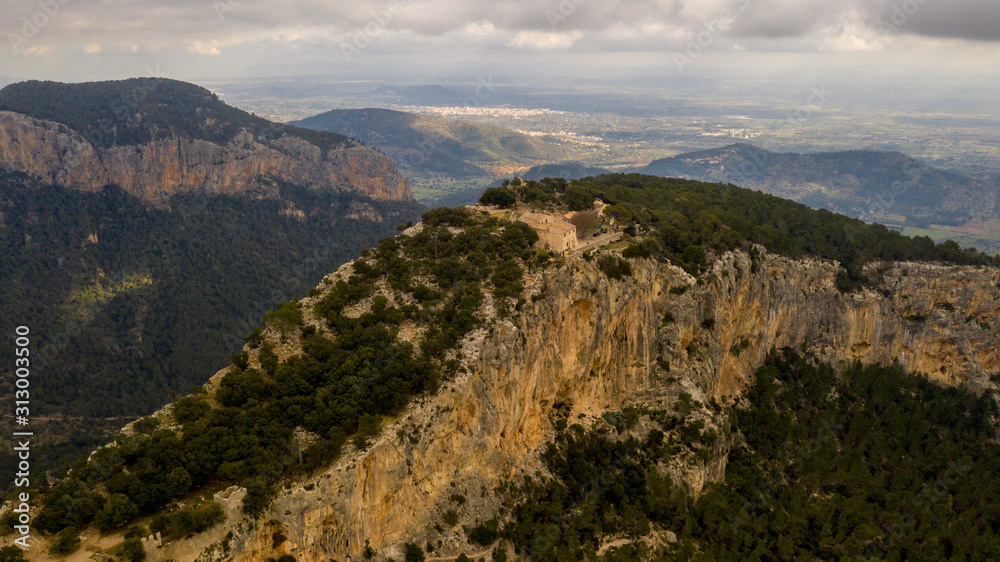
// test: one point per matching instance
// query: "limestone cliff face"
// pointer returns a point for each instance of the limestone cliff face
(154, 171)
(597, 345)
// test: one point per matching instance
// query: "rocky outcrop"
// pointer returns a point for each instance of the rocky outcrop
(596, 345)
(159, 169)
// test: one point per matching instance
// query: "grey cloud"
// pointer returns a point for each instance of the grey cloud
(234, 34)
(958, 19)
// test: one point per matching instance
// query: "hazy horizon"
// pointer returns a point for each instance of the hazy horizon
(940, 46)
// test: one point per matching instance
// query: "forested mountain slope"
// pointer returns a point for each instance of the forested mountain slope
(721, 386)
(146, 228)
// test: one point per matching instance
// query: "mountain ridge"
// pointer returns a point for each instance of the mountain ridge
(489, 361)
(594, 352)
(146, 149)
(137, 246)
(433, 146)
(875, 185)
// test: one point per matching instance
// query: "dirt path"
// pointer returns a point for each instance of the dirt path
(489, 550)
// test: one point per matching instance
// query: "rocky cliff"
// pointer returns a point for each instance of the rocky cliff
(163, 167)
(596, 345)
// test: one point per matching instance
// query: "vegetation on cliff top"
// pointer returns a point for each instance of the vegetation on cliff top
(695, 221)
(869, 464)
(141, 110)
(436, 281)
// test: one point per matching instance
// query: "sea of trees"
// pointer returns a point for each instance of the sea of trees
(334, 389)
(868, 463)
(129, 305)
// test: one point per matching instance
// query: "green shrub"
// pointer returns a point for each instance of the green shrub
(146, 425)
(67, 541)
(132, 551)
(370, 425)
(7, 522)
(614, 267)
(190, 408)
(255, 338)
(577, 198)
(268, 359)
(287, 314)
(185, 522)
(241, 360)
(485, 533)
(413, 553)
(136, 532)
(500, 196)
(118, 511)
(11, 553)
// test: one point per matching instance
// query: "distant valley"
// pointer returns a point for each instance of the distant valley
(440, 154)
(453, 160)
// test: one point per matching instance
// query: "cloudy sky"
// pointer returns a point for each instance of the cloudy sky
(77, 40)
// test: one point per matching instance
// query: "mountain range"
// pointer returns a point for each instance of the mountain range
(878, 186)
(146, 227)
(741, 368)
(278, 372)
(433, 149)
(887, 187)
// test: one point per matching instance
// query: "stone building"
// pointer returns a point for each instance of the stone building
(553, 232)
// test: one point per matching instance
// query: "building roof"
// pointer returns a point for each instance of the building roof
(561, 227)
(537, 221)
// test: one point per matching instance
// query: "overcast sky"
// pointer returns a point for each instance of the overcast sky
(78, 40)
